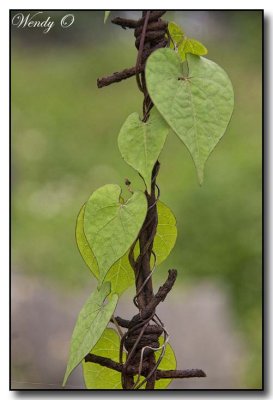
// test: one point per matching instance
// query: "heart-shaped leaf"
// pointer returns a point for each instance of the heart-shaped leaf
(98, 377)
(197, 106)
(111, 226)
(168, 363)
(140, 143)
(91, 322)
(84, 247)
(166, 233)
(121, 275)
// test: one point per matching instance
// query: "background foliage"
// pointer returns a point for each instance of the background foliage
(64, 146)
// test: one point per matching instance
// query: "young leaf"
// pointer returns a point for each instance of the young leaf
(98, 377)
(176, 34)
(198, 107)
(191, 46)
(140, 143)
(111, 226)
(166, 233)
(91, 322)
(183, 44)
(106, 15)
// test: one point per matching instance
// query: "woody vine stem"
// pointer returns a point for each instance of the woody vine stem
(122, 241)
(143, 331)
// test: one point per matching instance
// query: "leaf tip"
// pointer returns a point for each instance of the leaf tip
(106, 15)
(65, 378)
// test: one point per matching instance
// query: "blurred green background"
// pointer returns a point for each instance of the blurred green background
(64, 146)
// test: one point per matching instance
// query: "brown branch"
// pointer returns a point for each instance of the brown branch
(154, 26)
(124, 22)
(124, 323)
(187, 373)
(118, 76)
(160, 374)
(108, 363)
(161, 294)
(154, 16)
(104, 362)
(152, 35)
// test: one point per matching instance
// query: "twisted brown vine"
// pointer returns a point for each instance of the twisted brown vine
(141, 339)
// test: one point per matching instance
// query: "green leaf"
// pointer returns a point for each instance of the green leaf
(198, 107)
(191, 46)
(183, 44)
(98, 377)
(120, 275)
(106, 15)
(91, 322)
(168, 362)
(166, 233)
(140, 143)
(176, 34)
(83, 246)
(111, 226)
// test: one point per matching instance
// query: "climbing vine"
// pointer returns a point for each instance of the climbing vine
(124, 238)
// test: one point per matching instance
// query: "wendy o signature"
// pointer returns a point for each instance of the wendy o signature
(37, 21)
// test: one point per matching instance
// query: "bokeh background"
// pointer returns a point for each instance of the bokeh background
(64, 146)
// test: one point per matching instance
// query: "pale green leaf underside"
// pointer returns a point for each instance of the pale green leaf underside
(91, 322)
(111, 226)
(140, 143)
(98, 377)
(121, 275)
(198, 107)
(106, 15)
